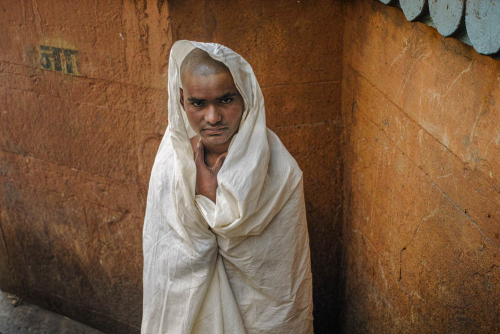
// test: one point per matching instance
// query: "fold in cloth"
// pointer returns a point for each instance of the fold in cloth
(242, 264)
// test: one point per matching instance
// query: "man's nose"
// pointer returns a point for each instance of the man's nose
(213, 115)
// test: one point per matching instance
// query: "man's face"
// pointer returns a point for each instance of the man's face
(213, 106)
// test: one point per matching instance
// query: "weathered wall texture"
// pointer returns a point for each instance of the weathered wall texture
(421, 178)
(82, 112)
(77, 138)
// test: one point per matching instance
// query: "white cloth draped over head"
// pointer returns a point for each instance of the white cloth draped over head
(241, 265)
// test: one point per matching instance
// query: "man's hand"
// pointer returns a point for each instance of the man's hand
(206, 177)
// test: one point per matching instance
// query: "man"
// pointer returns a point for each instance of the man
(226, 248)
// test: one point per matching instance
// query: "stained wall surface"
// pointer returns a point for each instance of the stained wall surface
(83, 110)
(421, 153)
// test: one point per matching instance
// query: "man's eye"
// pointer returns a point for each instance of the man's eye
(197, 104)
(226, 100)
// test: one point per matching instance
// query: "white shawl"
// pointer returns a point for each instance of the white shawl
(241, 265)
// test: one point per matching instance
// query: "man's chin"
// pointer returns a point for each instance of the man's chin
(214, 140)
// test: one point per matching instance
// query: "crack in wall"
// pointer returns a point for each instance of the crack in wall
(433, 184)
(415, 233)
(464, 212)
(399, 283)
(418, 166)
(404, 113)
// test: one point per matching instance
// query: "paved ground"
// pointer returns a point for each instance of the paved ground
(30, 319)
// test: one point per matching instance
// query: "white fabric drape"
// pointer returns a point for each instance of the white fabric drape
(241, 265)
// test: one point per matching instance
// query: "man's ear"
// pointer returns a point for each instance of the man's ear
(182, 97)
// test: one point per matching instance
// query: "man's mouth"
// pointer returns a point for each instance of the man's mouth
(214, 131)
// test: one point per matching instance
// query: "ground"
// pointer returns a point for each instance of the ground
(17, 316)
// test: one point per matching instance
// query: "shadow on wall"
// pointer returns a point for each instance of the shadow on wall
(83, 96)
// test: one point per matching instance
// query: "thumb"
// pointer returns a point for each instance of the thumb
(199, 157)
(220, 162)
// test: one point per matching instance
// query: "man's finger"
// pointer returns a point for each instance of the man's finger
(199, 157)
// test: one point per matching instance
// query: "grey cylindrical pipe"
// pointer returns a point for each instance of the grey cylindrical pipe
(482, 20)
(447, 16)
(414, 9)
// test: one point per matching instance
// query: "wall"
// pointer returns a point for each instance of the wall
(76, 148)
(421, 178)
(83, 109)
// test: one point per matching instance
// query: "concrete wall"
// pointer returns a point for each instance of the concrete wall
(421, 181)
(82, 112)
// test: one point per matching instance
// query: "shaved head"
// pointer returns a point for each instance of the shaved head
(199, 62)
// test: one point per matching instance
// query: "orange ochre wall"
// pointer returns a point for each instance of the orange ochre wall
(82, 112)
(421, 155)
(395, 127)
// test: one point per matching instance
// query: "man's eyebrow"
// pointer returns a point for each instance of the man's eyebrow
(194, 99)
(225, 96)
